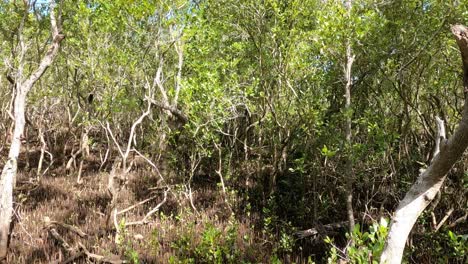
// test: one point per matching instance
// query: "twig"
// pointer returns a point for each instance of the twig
(53, 232)
(71, 259)
(320, 229)
(74, 229)
(107, 127)
(447, 215)
(434, 221)
(100, 259)
(136, 205)
(459, 220)
(150, 213)
(150, 163)
(19, 218)
(173, 110)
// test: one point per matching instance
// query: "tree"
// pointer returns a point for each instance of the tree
(431, 179)
(348, 123)
(22, 86)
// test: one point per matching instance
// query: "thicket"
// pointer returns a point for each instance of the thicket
(229, 116)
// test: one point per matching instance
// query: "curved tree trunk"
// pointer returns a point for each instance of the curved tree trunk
(22, 86)
(430, 181)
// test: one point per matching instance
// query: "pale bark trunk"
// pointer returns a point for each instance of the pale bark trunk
(430, 181)
(41, 158)
(8, 176)
(180, 53)
(6, 204)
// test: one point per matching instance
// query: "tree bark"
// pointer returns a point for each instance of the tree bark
(6, 204)
(430, 181)
(23, 86)
(348, 132)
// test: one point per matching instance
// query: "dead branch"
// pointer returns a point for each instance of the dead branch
(321, 229)
(447, 215)
(459, 220)
(71, 228)
(150, 163)
(62, 242)
(77, 251)
(107, 128)
(113, 259)
(70, 259)
(174, 110)
(72, 159)
(145, 219)
(136, 205)
(82, 251)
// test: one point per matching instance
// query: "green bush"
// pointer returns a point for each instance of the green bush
(363, 247)
(215, 246)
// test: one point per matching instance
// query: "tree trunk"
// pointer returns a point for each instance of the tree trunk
(430, 181)
(6, 204)
(348, 132)
(8, 176)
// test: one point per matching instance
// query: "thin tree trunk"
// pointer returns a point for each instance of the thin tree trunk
(6, 200)
(8, 177)
(430, 181)
(43, 149)
(348, 131)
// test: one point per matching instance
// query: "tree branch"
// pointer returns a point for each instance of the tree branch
(52, 52)
(174, 110)
(430, 180)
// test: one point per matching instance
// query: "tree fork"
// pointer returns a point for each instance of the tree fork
(431, 180)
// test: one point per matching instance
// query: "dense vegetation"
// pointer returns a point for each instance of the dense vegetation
(226, 122)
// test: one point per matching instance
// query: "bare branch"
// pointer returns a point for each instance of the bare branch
(145, 219)
(52, 52)
(447, 215)
(174, 110)
(136, 205)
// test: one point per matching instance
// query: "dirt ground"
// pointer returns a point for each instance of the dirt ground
(56, 207)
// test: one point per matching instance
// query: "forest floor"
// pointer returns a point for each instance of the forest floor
(58, 204)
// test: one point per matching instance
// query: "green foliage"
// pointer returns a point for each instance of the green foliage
(214, 245)
(327, 152)
(262, 82)
(364, 247)
(278, 231)
(209, 249)
(458, 244)
(446, 246)
(125, 243)
(132, 256)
